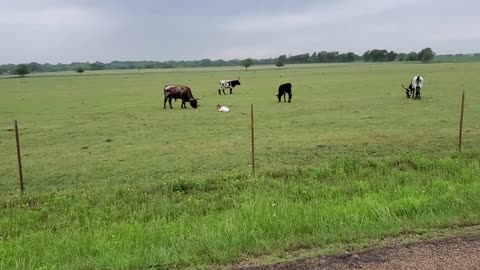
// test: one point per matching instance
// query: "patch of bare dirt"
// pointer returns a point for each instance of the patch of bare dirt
(452, 254)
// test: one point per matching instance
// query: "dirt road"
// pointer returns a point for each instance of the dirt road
(452, 254)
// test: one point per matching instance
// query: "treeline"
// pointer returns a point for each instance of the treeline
(425, 55)
(459, 57)
(375, 55)
(320, 57)
(36, 67)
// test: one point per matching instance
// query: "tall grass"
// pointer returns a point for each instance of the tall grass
(186, 222)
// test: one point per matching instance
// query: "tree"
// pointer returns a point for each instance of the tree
(35, 67)
(247, 63)
(313, 58)
(412, 56)
(379, 55)
(350, 57)
(279, 63)
(299, 59)
(401, 57)
(282, 58)
(205, 63)
(97, 66)
(22, 70)
(322, 57)
(391, 56)
(425, 55)
(332, 57)
(366, 56)
(80, 70)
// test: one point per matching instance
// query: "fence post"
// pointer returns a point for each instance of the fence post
(253, 139)
(19, 157)
(461, 123)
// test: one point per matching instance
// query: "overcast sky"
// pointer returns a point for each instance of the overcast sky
(67, 31)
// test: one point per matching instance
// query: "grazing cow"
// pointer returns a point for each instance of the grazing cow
(283, 89)
(222, 108)
(414, 88)
(230, 84)
(179, 92)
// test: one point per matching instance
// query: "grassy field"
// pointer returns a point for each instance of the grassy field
(114, 181)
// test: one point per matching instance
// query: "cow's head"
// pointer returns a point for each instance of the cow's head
(418, 79)
(235, 83)
(193, 102)
(407, 90)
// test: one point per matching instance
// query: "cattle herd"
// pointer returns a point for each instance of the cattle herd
(185, 93)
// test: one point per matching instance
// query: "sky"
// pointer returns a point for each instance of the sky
(65, 31)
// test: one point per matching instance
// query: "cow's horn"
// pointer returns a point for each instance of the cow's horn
(198, 98)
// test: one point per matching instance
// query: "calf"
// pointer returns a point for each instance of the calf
(222, 108)
(179, 92)
(283, 89)
(230, 84)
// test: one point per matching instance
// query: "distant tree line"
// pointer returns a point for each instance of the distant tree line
(425, 55)
(375, 55)
(459, 57)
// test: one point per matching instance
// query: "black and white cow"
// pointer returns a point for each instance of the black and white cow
(414, 88)
(230, 84)
(283, 89)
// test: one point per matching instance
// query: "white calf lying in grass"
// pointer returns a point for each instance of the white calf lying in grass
(222, 108)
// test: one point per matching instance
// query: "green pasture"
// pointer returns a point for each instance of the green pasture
(115, 181)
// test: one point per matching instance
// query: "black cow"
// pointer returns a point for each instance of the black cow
(179, 92)
(223, 84)
(283, 89)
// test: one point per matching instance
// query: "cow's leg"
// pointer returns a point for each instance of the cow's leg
(230, 91)
(223, 90)
(289, 97)
(170, 103)
(284, 97)
(219, 91)
(164, 103)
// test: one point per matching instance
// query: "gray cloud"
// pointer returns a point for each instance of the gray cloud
(65, 31)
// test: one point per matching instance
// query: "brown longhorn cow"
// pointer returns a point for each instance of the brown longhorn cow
(179, 92)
